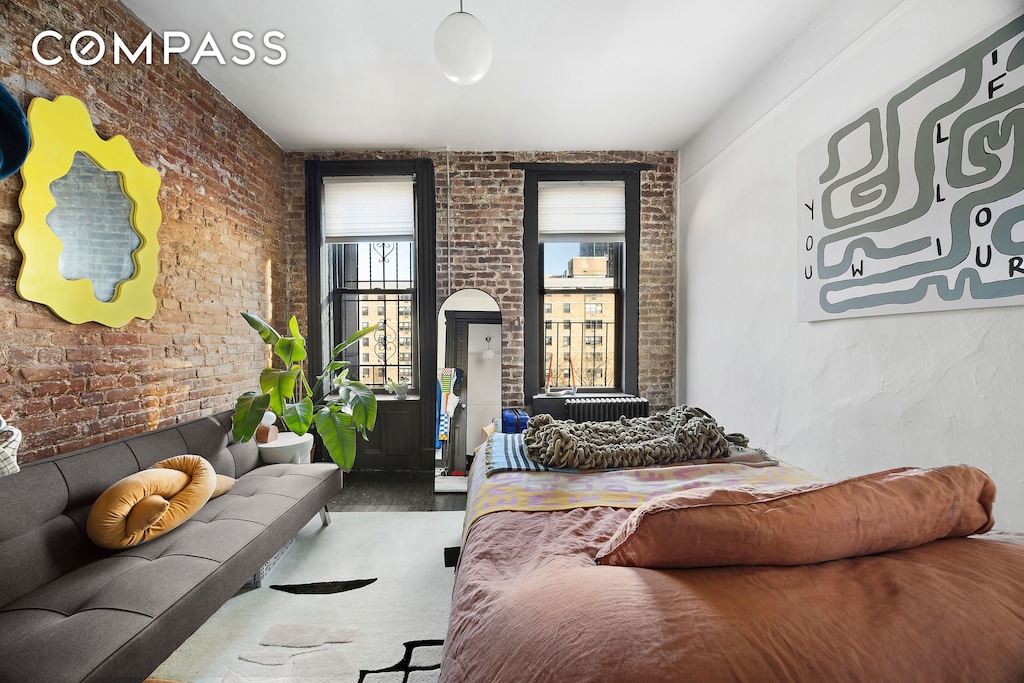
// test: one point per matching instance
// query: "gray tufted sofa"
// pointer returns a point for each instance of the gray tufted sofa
(71, 611)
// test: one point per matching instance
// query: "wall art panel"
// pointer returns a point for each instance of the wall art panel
(917, 204)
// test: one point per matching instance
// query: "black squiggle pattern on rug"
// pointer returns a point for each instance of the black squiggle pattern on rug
(322, 587)
(405, 665)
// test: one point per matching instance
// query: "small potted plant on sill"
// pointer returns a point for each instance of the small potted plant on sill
(338, 417)
(400, 388)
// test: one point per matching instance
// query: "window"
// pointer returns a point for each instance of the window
(341, 280)
(581, 240)
(369, 230)
(583, 224)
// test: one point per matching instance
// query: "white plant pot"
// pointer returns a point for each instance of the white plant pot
(287, 447)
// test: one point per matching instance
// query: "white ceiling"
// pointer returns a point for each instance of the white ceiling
(566, 74)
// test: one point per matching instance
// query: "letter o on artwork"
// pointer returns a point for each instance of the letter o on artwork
(983, 217)
(809, 243)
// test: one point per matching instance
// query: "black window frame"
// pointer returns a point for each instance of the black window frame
(425, 296)
(628, 316)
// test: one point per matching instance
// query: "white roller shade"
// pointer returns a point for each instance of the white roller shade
(581, 211)
(368, 208)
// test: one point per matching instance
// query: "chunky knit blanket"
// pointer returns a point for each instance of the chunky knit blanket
(675, 435)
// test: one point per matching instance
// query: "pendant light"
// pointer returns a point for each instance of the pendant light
(489, 352)
(462, 48)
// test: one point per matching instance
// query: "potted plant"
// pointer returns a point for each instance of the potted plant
(338, 416)
(400, 388)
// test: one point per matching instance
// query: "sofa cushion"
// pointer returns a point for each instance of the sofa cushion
(121, 614)
(147, 504)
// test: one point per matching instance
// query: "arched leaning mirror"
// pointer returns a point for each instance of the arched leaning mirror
(469, 367)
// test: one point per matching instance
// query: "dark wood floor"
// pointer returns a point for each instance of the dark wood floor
(373, 491)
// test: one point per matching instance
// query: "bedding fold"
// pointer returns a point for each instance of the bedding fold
(803, 524)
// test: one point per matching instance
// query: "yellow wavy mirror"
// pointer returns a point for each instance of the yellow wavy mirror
(89, 220)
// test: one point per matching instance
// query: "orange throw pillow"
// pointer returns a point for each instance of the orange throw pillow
(150, 503)
(891, 510)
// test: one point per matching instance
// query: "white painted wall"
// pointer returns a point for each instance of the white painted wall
(842, 397)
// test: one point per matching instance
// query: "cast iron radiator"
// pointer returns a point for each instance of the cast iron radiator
(605, 409)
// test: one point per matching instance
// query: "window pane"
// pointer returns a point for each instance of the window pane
(388, 353)
(359, 271)
(586, 344)
(584, 278)
(581, 265)
(373, 265)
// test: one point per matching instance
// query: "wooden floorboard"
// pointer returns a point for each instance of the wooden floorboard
(377, 491)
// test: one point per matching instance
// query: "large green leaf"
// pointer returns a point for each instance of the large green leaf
(363, 403)
(249, 410)
(338, 436)
(279, 385)
(266, 332)
(353, 339)
(336, 365)
(298, 416)
(293, 327)
(291, 350)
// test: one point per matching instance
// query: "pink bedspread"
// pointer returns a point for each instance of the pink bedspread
(530, 604)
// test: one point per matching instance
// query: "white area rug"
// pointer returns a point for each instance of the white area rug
(448, 484)
(271, 636)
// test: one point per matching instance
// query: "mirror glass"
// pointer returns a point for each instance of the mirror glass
(93, 221)
(469, 341)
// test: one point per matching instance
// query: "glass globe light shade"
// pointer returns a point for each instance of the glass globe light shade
(462, 48)
(488, 354)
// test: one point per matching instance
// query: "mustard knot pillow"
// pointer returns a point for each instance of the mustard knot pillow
(150, 503)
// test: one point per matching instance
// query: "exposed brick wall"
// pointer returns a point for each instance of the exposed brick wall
(484, 249)
(221, 246)
(232, 240)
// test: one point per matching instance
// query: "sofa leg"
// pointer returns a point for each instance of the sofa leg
(325, 516)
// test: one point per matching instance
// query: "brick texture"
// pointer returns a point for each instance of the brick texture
(232, 239)
(221, 249)
(483, 246)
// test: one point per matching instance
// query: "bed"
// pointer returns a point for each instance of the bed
(530, 602)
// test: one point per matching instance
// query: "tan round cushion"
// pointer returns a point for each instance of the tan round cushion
(150, 503)
(224, 484)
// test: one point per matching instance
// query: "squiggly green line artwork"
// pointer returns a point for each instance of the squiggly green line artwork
(918, 203)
